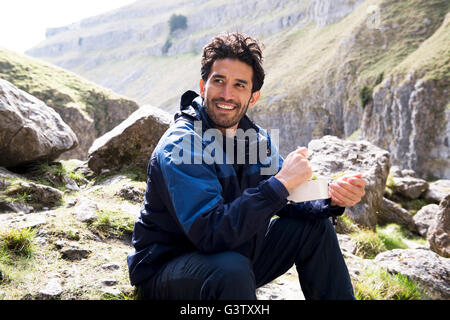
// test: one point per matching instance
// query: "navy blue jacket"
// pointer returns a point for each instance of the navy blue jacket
(210, 205)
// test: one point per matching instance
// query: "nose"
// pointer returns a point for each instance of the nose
(227, 92)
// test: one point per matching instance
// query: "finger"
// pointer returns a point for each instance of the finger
(302, 150)
(336, 199)
(357, 182)
(344, 194)
(357, 190)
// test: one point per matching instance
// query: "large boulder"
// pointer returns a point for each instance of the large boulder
(425, 217)
(437, 190)
(30, 130)
(439, 231)
(130, 143)
(425, 267)
(409, 187)
(331, 156)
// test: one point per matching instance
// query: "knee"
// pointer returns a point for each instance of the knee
(232, 266)
(233, 278)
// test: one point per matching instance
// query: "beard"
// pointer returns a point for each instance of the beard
(222, 122)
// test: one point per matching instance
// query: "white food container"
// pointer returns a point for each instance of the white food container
(310, 190)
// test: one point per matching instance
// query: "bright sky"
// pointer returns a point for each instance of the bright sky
(23, 22)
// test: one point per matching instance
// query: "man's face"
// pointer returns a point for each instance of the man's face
(228, 92)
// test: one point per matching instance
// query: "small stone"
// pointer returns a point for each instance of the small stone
(110, 266)
(108, 282)
(75, 254)
(53, 289)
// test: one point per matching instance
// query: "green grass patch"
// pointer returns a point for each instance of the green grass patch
(16, 243)
(112, 223)
(368, 244)
(392, 237)
(345, 225)
(376, 283)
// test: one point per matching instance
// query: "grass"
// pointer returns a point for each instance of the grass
(368, 244)
(376, 283)
(112, 223)
(17, 243)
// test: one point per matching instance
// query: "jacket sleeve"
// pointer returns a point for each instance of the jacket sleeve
(195, 199)
(316, 209)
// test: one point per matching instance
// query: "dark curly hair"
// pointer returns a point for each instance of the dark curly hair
(235, 46)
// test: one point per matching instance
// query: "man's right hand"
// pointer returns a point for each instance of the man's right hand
(295, 169)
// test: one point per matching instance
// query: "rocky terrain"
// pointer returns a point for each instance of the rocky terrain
(88, 109)
(66, 225)
(363, 84)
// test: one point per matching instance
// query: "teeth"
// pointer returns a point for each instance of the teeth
(222, 106)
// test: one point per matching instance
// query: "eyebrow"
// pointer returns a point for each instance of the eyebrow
(223, 77)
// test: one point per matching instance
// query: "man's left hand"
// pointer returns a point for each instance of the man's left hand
(347, 191)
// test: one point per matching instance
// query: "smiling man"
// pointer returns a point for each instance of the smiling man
(215, 230)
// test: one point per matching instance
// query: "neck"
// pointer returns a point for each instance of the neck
(228, 132)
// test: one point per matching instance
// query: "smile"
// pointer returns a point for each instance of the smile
(226, 107)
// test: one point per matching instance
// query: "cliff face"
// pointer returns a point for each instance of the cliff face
(410, 113)
(333, 67)
(131, 50)
(336, 80)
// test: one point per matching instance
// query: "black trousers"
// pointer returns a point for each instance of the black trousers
(309, 243)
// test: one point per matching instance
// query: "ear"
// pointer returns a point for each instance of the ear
(254, 98)
(202, 88)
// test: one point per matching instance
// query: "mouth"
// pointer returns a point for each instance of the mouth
(225, 106)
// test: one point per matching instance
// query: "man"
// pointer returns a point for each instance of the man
(217, 229)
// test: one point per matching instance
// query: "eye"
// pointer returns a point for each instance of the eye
(240, 85)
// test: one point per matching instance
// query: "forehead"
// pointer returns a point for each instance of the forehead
(232, 69)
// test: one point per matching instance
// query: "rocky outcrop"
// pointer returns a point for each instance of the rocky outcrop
(89, 110)
(30, 130)
(390, 212)
(409, 115)
(139, 24)
(427, 268)
(130, 143)
(438, 234)
(425, 217)
(332, 156)
(437, 190)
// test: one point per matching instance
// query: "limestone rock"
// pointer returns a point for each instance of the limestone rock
(389, 212)
(130, 143)
(41, 194)
(439, 231)
(427, 268)
(73, 253)
(332, 156)
(30, 130)
(132, 193)
(437, 190)
(53, 289)
(416, 137)
(85, 210)
(425, 217)
(409, 187)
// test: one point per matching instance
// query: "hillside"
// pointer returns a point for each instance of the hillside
(86, 107)
(124, 49)
(325, 62)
